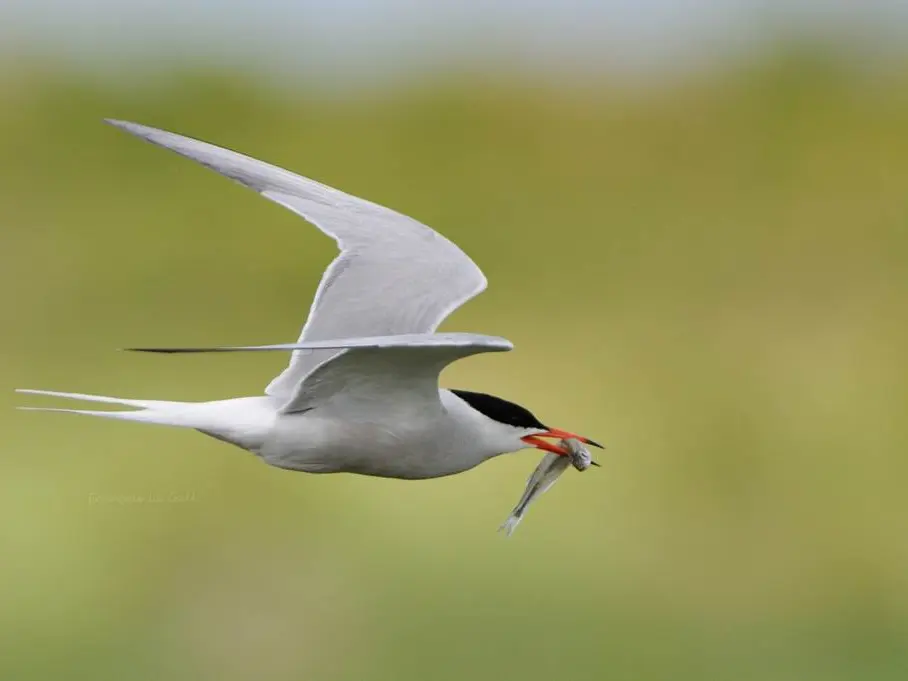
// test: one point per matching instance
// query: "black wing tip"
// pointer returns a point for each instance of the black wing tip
(171, 351)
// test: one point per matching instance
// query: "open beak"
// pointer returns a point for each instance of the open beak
(539, 443)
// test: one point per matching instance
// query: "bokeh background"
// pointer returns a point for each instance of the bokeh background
(694, 219)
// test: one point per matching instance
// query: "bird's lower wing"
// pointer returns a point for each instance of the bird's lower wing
(481, 342)
(382, 369)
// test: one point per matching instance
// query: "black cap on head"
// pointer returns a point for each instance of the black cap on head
(500, 410)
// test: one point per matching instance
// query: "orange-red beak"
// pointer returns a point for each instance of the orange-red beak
(539, 443)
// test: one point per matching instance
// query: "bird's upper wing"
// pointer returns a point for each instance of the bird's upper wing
(400, 370)
(393, 276)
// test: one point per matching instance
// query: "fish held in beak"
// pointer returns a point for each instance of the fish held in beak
(571, 452)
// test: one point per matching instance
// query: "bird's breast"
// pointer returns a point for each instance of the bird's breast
(410, 448)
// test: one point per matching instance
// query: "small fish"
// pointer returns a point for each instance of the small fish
(546, 474)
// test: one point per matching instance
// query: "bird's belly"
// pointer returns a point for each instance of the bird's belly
(322, 445)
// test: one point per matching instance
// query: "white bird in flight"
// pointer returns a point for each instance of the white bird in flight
(361, 392)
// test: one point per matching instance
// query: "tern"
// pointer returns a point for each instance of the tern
(361, 393)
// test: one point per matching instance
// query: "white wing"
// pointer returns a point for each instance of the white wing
(391, 369)
(393, 276)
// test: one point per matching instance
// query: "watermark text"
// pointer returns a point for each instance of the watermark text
(161, 498)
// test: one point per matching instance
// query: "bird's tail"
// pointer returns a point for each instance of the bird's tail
(146, 411)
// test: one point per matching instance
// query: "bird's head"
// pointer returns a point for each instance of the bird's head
(519, 425)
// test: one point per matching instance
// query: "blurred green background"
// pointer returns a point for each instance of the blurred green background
(709, 277)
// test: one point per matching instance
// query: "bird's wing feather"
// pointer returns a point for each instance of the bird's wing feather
(445, 340)
(391, 369)
(393, 276)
